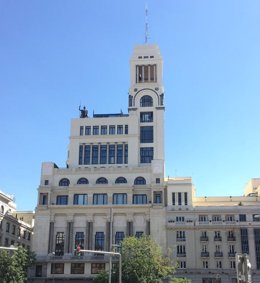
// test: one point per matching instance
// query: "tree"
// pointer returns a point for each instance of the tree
(14, 265)
(143, 262)
(180, 280)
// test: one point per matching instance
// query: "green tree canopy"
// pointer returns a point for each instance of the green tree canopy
(14, 264)
(143, 261)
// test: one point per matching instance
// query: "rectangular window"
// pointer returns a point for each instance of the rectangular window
(242, 217)
(216, 218)
(203, 218)
(57, 268)
(173, 199)
(119, 198)
(120, 129)
(99, 241)
(146, 134)
(179, 199)
(139, 234)
(182, 264)
(97, 267)
(77, 268)
(99, 198)
(43, 198)
(62, 200)
(59, 244)
(103, 130)
(80, 154)
(38, 270)
(205, 264)
(13, 232)
(112, 153)
(81, 128)
(87, 130)
(119, 237)
(230, 218)
(140, 199)
(125, 153)
(146, 117)
(181, 250)
(95, 130)
(119, 154)
(256, 217)
(180, 235)
(94, 154)
(103, 154)
(46, 182)
(146, 154)
(180, 218)
(244, 240)
(80, 199)
(87, 155)
(186, 198)
(126, 129)
(112, 130)
(157, 197)
(79, 240)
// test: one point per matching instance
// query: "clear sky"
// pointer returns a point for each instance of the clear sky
(55, 55)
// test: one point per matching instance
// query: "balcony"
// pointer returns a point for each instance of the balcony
(232, 254)
(218, 238)
(181, 239)
(204, 238)
(204, 254)
(183, 254)
(218, 254)
(231, 238)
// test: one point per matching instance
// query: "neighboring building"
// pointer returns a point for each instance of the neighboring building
(113, 186)
(15, 227)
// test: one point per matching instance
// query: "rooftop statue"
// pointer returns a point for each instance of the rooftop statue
(83, 112)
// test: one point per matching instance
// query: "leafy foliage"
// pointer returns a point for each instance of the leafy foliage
(143, 262)
(180, 280)
(14, 264)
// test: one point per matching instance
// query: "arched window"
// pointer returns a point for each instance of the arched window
(146, 101)
(64, 182)
(121, 180)
(140, 181)
(101, 180)
(82, 181)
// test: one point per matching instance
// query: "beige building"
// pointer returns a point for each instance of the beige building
(113, 186)
(15, 227)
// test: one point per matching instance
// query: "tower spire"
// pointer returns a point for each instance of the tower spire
(146, 24)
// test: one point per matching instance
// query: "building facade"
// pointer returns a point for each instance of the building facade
(16, 228)
(113, 186)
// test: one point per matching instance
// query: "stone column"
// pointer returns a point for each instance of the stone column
(69, 245)
(129, 228)
(148, 229)
(51, 238)
(90, 235)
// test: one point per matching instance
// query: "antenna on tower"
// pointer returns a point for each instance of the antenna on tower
(146, 24)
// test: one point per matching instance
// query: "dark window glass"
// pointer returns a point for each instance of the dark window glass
(112, 153)
(80, 199)
(87, 155)
(97, 267)
(59, 244)
(95, 154)
(87, 130)
(242, 217)
(121, 180)
(95, 130)
(146, 117)
(38, 270)
(146, 101)
(119, 154)
(62, 200)
(140, 199)
(81, 130)
(80, 154)
(103, 130)
(82, 181)
(140, 181)
(139, 234)
(146, 154)
(46, 182)
(125, 153)
(77, 268)
(103, 154)
(112, 130)
(173, 199)
(186, 198)
(120, 129)
(57, 268)
(146, 134)
(79, 240)
(119, 237)
(99, 199)
(64, 182)
(101, 180)
(179, 199)
(119, 198)
(157, 197)
(99, 241)
(126, 129)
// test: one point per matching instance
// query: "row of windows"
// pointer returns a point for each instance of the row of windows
(103, 154)
(146, 73)
(180, 198)
(227, 218)
(103, 130)
(102, 199)
(181, 235)
(65, 182)
(17, 230)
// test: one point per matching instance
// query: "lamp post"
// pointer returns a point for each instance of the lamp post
(108, 253)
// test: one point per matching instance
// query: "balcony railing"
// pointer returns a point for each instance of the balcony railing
(218, 254)
(232, 254)
(231, 238)
(179, 239)
(204, 238)
(217, 238)
(181, 254)
(204, 254)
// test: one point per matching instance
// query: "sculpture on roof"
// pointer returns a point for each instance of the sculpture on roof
(83, 112)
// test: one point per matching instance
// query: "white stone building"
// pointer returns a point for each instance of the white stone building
(113, 186)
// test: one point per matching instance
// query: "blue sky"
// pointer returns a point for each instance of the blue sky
(55, 55)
